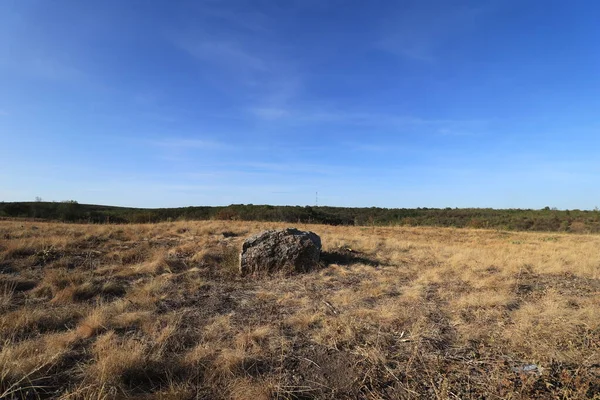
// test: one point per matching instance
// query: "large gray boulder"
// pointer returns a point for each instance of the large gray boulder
(285, 250)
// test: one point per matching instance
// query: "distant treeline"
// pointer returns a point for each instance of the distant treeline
(512, 219)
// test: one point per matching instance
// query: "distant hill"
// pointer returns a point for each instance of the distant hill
(512, 219)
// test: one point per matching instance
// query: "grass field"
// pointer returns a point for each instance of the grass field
(158, 311)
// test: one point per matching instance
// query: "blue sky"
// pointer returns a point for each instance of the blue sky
(390, 104)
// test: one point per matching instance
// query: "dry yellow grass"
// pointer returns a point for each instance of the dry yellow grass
(158, 311)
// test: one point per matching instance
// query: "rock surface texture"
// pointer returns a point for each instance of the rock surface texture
(286, 250)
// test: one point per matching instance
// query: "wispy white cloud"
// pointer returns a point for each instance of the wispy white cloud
(284, 167)
(187, 144)
(253, 73)
(377, 148)
(224, 53)
(25, 52)
(420, 32)
(250, 69)
(270, 113)
(249, 21)
(53, 69)
(27, 61)
(301, 170)
(449, 127)
(29, 54)
(462, 130)
(233, 40)
(246, 58)
(260, 168)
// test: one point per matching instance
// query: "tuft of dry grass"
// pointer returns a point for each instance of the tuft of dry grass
(158, 311)
(7, 291)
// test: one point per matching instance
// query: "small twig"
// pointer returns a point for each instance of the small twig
(310, 361)
(328, 304)
(319, 384)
